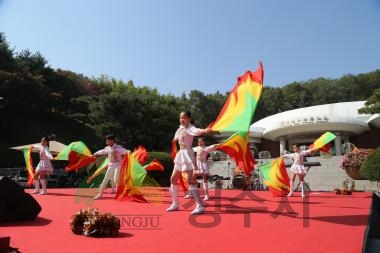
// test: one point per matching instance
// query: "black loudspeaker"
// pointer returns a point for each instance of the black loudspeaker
(15, 204)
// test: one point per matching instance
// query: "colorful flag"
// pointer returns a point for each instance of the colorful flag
(77, 154)
(141, 154)
(237, 112)
(322, 143)
(276, 177)
(102, 167)
(154, 165)
(174, 149)
(132, 176)
(183, 182)
(237, 147)
(29, 164)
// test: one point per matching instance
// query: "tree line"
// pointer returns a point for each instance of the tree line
(36, 100)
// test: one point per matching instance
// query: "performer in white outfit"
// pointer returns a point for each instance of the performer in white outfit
(185, 161)
(297, 168)
(202, 167)
(114, 153)
(44, 167)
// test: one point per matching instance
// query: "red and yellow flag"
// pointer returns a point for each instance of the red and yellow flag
(132, 175)
(77, 161)
(237, 147)
(77, 154)
(322, 143)
(154, 165)
(183, 182)
(141, 154)
(29, 164)
(276, 177)
(237, 112)
(102, 167)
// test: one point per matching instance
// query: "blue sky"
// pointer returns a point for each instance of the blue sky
(180, 45)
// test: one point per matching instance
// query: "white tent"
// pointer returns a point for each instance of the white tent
(54, 146)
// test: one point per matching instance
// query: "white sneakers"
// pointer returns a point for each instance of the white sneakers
(198, 210)
(36, 191)
(291, 194)
(173, 207)
(188, 196)
(99, 196)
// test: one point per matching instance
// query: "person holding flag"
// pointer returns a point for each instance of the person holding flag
(44, 167)
(201, 152)
(184, 161)
(114, 153)
(297, 167)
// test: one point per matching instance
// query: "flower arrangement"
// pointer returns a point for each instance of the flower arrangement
(353, 160)
(90, 222)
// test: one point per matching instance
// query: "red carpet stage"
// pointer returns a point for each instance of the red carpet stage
(235, 221)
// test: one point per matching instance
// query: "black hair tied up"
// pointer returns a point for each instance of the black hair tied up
(46, 138)
(110, 137)
(188, 114)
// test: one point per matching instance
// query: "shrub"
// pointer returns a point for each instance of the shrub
(370, 168)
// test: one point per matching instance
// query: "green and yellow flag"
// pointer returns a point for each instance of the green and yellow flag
(237, 112)
(276, 177)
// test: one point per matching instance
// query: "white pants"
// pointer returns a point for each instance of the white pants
(113, 175)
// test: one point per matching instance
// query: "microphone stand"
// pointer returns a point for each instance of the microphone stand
(228, 169)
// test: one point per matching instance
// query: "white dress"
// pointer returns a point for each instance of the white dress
(298, 158)
(202, 153)
(44, 166)
(185, 158)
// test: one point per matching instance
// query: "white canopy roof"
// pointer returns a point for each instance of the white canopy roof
(54, 147)
(337, 117)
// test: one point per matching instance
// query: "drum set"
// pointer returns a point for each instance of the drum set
(248, 183)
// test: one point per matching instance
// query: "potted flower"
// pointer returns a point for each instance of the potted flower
(352, 161)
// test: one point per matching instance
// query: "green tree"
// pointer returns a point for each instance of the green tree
(204, 107)
(372, 105)
(271, 102)
(29, 62)
(295, 95)
(7, 62)
(135, 115)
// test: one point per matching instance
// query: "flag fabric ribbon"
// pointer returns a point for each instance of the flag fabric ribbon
(102, 167)
(77, 154)
(323, 142)
(132, 176)
(29, 164)
(183, 182)
(141, 154)
(276, 177)
(154, 165)
(238, 110)
(237, 147)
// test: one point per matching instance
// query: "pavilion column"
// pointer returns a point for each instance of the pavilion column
(338, 144)
(282, 145)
